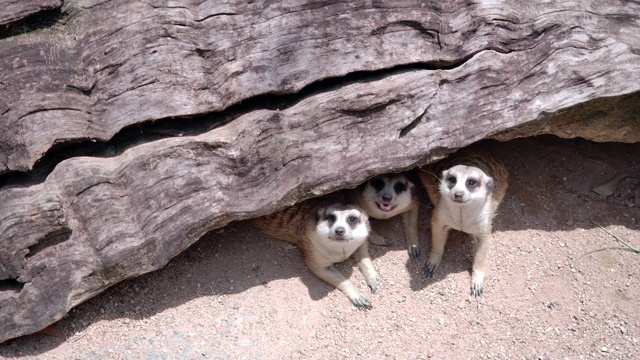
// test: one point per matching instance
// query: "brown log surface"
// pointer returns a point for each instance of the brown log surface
(407, 84)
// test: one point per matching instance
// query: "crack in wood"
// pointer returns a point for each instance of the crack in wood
(361, 113)
(215, 15)
(52, 239)
(11, 286)
(53, 109)
(46, 17)
(412, 125)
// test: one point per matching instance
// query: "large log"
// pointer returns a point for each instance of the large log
(281, 102)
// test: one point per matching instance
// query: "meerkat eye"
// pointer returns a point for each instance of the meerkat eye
(472, 183)
(331, 218)
(451, 180)
(399, 187)
(352, 219)
(377, 184)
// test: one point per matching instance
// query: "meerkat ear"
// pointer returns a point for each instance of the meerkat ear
(490, 184)
(412, 188)
(320, 214)
(364, 213)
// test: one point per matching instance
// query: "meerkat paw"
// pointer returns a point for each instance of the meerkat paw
(361, 302)
(377, 239)
(430, 268)
(414, 251)
(477, 284)
(373, 284)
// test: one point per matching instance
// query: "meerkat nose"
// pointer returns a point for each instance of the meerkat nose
(339, 231)
(458, 195)
(387, 197)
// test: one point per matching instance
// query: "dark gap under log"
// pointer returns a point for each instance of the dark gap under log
(10, 286)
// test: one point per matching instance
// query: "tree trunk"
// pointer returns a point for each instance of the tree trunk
(130, 129)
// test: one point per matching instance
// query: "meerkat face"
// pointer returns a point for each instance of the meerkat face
(390, 193)
(465, 184)
(343, 223)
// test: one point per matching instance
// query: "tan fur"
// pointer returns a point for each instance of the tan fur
(308, 225)
(405, 204)
(472, 215)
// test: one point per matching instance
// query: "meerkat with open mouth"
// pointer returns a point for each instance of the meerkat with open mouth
(466, 190)
(326, 232)
(388, 195)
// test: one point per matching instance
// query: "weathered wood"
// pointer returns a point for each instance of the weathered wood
(469, 71)
(77, 81)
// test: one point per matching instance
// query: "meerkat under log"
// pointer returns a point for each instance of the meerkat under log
(326, 232)
(466, 190)
(386, 196)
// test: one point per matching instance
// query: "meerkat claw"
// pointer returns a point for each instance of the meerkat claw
(414, 252)
(429, 269)
(374, 288)
(362, 303)
(476, 290)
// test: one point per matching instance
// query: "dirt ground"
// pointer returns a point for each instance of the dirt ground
(238, 295)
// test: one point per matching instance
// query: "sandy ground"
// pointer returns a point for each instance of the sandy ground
(238, 295)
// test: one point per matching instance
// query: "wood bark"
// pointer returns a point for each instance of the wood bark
(130, 129)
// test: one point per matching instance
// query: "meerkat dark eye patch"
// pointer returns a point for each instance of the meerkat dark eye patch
(352, 220)
(399, 187)
(451, 180)
(331, 218)
(472, 183)
(377, 184)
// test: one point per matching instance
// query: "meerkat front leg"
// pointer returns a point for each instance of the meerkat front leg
(361, 255)
(439, 233)
(410, 224)
(333, 277)
(480, 256)
(377, 239)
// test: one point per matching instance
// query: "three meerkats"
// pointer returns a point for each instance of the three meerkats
(465, 190)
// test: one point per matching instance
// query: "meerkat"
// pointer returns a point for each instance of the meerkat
(326, 232)
(465, 190)
(385, 196)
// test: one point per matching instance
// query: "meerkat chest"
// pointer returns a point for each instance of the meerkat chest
(331, 251)
(469, 218)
